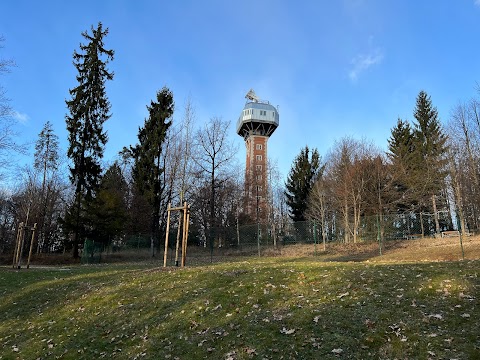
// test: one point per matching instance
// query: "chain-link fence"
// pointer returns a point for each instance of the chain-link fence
(388, 236)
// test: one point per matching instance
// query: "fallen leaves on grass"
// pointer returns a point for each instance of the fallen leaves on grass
(287, 331)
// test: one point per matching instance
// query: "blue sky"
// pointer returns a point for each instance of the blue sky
(334, 68)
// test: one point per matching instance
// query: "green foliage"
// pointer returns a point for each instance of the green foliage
(430, 148)
(88, 109)
(418, 156)
(148, 168)
(300, 181)
(402, 161)
(400, 145)
(107, 213)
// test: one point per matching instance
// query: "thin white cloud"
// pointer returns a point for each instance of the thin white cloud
(20, 117)
(477, 2)
(362, 62)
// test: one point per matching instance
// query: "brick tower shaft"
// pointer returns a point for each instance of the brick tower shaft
(256, 124)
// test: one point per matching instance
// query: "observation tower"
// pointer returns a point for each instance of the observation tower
(256, 124)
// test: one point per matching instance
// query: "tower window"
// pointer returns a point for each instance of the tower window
(259, 177)
(259, 146)
(259, 167)
(258, 157)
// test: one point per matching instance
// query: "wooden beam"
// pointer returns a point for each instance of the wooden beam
(166, 237)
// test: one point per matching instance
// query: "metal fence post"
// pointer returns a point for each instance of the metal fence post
(258, 238)
(379, 236)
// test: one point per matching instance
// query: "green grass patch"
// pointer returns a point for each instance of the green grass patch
(261, 308)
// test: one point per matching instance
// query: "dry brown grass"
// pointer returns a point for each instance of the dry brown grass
(418, 250)
(427, 249)
(434, 249)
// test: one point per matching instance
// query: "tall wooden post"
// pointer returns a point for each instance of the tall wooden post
(166, 237)
(184, 240)
(31, 244)
(17, 245)
(20, 247)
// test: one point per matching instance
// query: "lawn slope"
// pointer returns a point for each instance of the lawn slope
(282, 308)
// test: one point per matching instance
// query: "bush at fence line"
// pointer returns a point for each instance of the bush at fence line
(92, 252)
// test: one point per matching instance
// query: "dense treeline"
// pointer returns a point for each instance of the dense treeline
(74, 194)
(425, 183)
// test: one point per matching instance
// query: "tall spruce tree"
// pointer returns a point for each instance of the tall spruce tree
(429, 146)
(430, 153)
(300, 181)
(88, 109)
(147, 168)
(401, 156)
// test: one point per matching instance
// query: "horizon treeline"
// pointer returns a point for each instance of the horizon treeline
(428, 169)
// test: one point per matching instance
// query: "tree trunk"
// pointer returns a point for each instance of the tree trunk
(435, 215)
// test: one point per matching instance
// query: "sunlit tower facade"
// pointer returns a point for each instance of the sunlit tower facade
(257, 122)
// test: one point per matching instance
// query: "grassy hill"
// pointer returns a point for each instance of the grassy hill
(267, 308)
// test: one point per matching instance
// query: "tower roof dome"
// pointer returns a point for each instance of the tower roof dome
(258, 117)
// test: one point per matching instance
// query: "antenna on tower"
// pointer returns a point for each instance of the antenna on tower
(252, 96)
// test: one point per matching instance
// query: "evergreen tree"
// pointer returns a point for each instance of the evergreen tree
(88, 109)
(300, 181)
(46, 152)
(429, 153)
(147, 168)
(401, 155)
(429, 146)
(400, 144)
(45, 160)
(107, 213)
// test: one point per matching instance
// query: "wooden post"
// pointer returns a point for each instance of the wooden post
(17, 245)
(185, 229)
(31, 244)
(177, 243)
(184, 245)
(166, 237)
(20, 247)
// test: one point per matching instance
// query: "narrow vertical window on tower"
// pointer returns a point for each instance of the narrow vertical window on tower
(258, 157)
(259, 146)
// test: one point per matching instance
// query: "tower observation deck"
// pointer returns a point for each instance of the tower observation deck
(257, 118)
(257, 122)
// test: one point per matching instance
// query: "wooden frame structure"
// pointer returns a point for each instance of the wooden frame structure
(19, 243)
(186, 220)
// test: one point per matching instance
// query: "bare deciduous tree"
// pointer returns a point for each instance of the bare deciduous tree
(213, 157)
(8, 132)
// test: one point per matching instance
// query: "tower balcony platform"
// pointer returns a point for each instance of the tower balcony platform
(257, 118)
